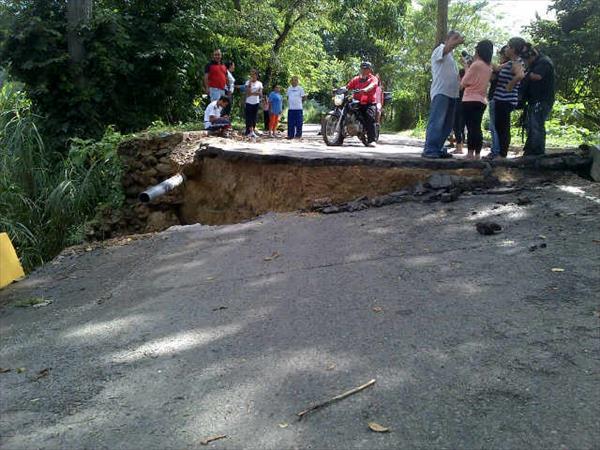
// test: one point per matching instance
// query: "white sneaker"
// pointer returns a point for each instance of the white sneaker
(372, 144)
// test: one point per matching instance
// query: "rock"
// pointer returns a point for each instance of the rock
(419, 189)
(451, 196)
(150, 173)
(150, 161)
(399, 194)
(321, 203)
(443, 181)
(383, 200)
(595, 170)
(164, 169)
(331, 210)
(522, 201)
(356, 205)
(488, 228)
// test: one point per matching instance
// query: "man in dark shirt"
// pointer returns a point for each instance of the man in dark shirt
(215, 77)
(539, 95)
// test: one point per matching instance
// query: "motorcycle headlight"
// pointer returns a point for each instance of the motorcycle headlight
(338, 100)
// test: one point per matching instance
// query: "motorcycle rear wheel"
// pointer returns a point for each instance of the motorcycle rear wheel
(331, 130)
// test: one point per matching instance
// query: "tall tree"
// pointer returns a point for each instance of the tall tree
(292, 13)
(79, 13)
(571, 41)
(442, 21)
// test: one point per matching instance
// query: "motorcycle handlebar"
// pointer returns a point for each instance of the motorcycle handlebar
(344, 90)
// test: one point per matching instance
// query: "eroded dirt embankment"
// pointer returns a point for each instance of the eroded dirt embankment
(228, 183)
(222, 191)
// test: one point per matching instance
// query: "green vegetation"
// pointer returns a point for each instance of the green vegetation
(72, 83)
(45, 196)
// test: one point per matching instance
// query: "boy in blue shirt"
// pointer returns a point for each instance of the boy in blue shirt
(275, 109)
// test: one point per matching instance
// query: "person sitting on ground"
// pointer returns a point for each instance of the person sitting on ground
(506, 95)
(538, 93)
(365, 86)
(444, 96)
(215, 77)
(296, 97)
(254, 92)
(214, 122)
(476, 80)
(275, 109)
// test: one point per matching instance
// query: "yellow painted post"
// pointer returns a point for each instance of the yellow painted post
(10, 267)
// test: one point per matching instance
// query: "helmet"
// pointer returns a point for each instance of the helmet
(366, 65)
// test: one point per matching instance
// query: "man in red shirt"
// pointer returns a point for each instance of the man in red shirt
(215, 77)
(365, 84)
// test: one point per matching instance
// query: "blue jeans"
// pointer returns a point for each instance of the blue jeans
(537, 114)
(215, 93)
(441, 120)
(295, 120)
(495, 139)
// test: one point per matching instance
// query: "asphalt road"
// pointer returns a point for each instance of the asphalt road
(474, 341)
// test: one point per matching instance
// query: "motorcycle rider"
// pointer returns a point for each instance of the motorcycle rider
(366, 84)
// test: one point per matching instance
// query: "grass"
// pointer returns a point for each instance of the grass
(559, 132)
(46, 196)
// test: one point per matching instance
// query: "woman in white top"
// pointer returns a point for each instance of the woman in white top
(254, 90)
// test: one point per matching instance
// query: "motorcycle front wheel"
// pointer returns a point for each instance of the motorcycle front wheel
(331, 129)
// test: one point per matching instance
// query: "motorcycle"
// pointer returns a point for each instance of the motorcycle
(345, 119)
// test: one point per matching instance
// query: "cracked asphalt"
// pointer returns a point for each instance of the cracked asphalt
(475, 341)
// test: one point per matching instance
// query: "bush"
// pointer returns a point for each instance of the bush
(313, 111)
(46, 197)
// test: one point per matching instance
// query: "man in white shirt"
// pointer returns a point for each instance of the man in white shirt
(296, 96)
(213, 121)
(444, 95)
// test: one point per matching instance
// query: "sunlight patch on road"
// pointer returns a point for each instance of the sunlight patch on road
(106, 327)
(578, 192)
(175, 343)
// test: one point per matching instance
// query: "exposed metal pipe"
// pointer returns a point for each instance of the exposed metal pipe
(162, 188)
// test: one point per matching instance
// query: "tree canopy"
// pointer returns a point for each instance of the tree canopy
(143, 61)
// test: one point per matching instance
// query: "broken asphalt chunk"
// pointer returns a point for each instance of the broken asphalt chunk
(488, 228)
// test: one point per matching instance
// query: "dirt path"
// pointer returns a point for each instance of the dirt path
(475, 341)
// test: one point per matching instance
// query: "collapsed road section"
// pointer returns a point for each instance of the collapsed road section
(229, 181)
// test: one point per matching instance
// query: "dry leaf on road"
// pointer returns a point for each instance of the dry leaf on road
(220, 308)
(42, 373)
(273, 256)
(283, 425)
(213, 438)
(374, 426)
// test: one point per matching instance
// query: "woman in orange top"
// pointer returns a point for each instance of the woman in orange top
(474, 101)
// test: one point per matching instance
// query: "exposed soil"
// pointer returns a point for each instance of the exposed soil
(222, 192)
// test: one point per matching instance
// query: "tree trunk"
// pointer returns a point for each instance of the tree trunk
(79, 12)
(237, 5)
(442, 21)
(282, 36)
